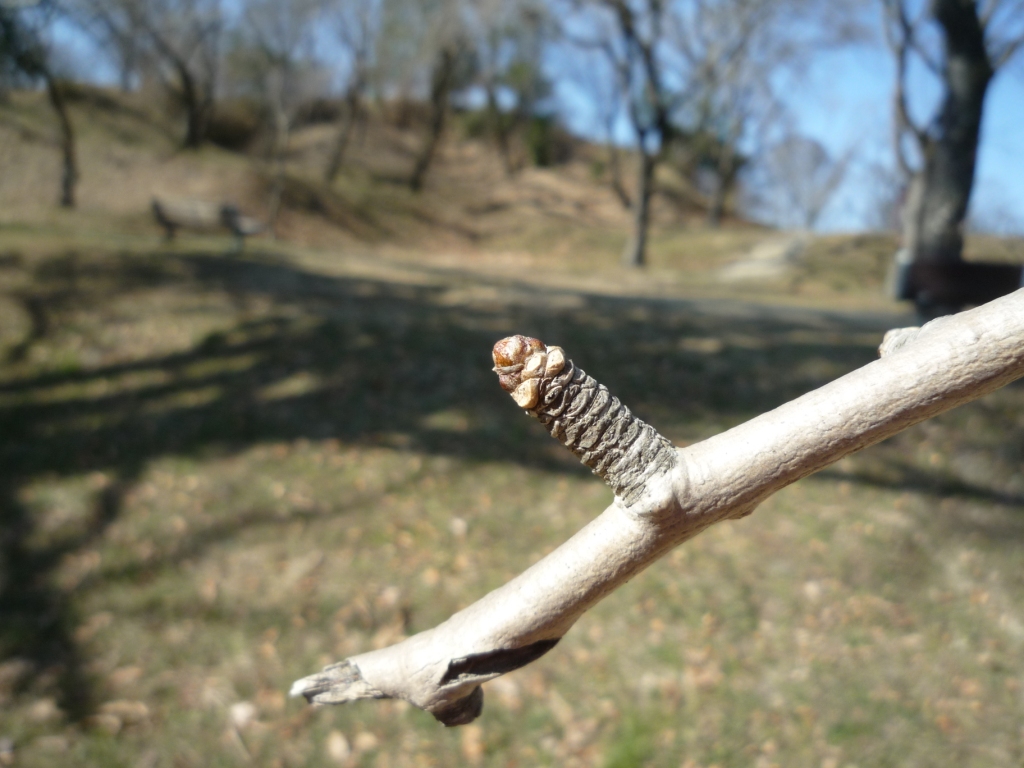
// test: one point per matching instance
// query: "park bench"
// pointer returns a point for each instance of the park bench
(202, 216)
(940, 288)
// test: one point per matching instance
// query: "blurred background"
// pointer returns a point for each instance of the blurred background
(253, 258)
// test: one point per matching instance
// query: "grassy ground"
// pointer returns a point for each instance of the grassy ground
(219, 472)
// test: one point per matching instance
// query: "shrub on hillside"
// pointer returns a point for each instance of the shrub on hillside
(318, 111)
(547, 142)
(475, 123)
(406, 113)
(85, 93)
(235, 124)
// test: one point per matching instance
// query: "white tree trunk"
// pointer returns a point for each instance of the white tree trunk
(665, 496)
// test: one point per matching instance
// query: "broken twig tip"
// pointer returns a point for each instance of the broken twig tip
(335, 684)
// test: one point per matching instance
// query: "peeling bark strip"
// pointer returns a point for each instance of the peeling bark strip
(583, 415)
(496, 662)
(675, 494)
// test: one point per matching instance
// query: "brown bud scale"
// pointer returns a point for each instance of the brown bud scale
(585, 417)
(510, 356)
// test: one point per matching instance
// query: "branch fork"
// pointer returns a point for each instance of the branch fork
(664, 496)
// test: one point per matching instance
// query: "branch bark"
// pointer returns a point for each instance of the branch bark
(664, 495)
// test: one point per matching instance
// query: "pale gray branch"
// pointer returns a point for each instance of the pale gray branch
(922, 372)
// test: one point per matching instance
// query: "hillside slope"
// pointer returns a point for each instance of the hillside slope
(540, 221)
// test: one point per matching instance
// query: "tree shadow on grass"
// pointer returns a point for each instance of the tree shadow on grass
(37, 617)
(905, 476)
(991, 513)
(368, 362)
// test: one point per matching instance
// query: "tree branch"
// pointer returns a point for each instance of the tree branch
(665, 496)
(1006, 52)
(900, 36)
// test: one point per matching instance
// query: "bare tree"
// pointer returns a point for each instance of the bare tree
(508, 39)
(664, 495)
(115, 33)
(698, 68)
(401, 56)
(357, 24)
(186, 37)
(424, 53)
(796, 178)
(963, 44)
(24, 51)
(490, 26)
(719, 44)
(589, 72)
(279, 35)
(651, 78)
(452, 66)
(737, 51)
(179, 39)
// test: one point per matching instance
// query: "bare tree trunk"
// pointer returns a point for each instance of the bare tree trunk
(353, 110)
(723, 188)
(664, 495)
(635, 254)
(615, 169)
(197, 91)
(716, 208)
(128, 64)
(937, 204)
(281, 132)
(726, 171)
(69, 165)
(30, 56)
(499, 129)
(196, 108)
(441, 82)
(640, 31)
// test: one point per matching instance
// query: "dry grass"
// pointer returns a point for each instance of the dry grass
(219, 472)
